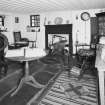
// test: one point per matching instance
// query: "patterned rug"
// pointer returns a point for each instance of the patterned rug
(54, 95)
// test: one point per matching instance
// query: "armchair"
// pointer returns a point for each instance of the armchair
(19, 41)
(3, 46)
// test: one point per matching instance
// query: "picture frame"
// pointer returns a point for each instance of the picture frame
(16, 19)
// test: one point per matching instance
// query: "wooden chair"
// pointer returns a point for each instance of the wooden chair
(19, 41)
(86, 61)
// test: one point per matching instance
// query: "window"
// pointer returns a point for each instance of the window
(35, 20)
(1, 21)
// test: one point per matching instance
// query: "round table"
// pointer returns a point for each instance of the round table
(26, 77)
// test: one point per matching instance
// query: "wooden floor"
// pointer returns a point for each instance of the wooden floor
(8, 83)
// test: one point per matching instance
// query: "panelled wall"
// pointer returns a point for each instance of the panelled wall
(69, 17)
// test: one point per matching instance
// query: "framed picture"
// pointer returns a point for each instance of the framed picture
(16, 19)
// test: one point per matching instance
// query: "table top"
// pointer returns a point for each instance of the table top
(25, 54)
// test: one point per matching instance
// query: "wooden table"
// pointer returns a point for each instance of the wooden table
(26, 77)
(100, 65)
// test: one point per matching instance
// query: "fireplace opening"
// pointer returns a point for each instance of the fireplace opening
(59, 32)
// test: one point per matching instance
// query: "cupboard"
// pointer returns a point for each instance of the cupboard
(101, 23)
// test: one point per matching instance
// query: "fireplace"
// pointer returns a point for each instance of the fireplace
(63, 31)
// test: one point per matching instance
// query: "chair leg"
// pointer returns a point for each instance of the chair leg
(83, 69)
(81, 74)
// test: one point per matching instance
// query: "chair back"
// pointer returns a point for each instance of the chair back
(17, 36)
(3, 42)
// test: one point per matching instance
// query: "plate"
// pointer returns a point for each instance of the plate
(58, 20)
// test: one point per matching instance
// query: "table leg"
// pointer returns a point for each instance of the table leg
(101, 86)
(23, 79)
(30, 77)
(18, 87)
(34, 82)
(82, 69)
(27, 78)
(26, 69)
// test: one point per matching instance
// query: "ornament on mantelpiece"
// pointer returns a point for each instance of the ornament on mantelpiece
(49, 22)
(67, 21)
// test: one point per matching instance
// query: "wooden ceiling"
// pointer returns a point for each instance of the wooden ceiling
(38, 6)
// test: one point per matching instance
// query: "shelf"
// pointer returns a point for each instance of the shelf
(3, 30)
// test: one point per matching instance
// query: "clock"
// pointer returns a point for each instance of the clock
(85, 16)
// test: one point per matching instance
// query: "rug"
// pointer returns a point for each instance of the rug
(54, 95)
(43, 75)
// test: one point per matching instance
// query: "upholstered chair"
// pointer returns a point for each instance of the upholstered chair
(3, 48)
